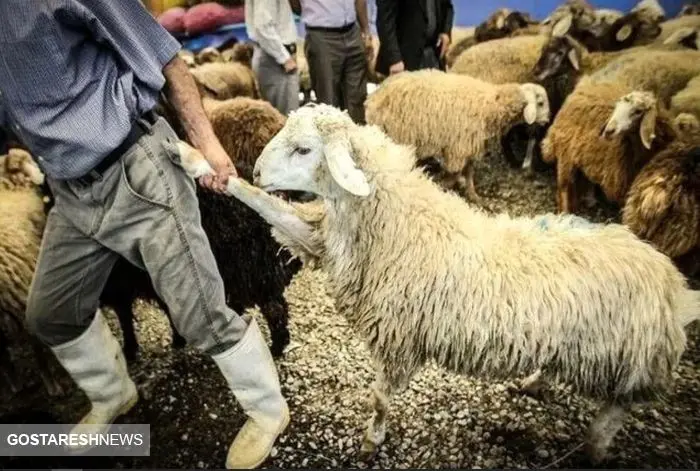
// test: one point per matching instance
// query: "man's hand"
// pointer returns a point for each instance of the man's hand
(396, 68)
(222, 165)
(444, 43)
(290, 65)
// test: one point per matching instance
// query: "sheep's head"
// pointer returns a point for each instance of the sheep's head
(686, 37)
(241, 52)
(209, 54)
(536, 103)
(690, 9)
(650, 9)
(604, 19)
(312, 153)
(188, 57)
(687, 123)
(634, 109)
(556, 54)
(574, 15)
(19, 169)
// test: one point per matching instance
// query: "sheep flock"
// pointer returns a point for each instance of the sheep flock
(501, 268)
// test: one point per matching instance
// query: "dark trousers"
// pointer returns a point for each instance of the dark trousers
(338, 69)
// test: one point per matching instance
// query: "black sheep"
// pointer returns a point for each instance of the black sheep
(253, 267)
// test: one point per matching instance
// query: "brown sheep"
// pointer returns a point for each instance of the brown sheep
(574, 141)
(241, 52)
(244, 120)
(663, 204)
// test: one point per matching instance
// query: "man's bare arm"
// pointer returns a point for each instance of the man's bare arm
(362, 15)
(181, 91)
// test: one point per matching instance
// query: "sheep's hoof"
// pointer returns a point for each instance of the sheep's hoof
(368, 450)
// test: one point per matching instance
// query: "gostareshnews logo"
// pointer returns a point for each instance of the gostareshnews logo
(63, 440)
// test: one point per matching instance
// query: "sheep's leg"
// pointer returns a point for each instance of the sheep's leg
(468, 181)
(529, 153)
(47, 375)
(276, 212)
(602, 431)
(385, 385)
(276, 313)
(125, 315)
(565, 188)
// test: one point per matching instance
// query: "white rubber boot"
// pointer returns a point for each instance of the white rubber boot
(96, 363)
(252, 376)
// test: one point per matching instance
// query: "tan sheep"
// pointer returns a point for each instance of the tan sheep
(688, 99)
(503, 60)
(669, 27)
(22, 220)
(224, 80)
(452, 117)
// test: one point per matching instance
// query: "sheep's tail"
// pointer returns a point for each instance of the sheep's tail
(690, 307)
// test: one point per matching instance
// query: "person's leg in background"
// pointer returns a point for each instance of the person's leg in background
(355, 75)
(278, 87)
(325, 56)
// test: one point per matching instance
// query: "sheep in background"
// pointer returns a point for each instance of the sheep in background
(22, 223)
(495, 296)
(244, 126)
(669, 27)
(664, 72)
(574, 141)
(690, 9)
(208, 55)
(688, 99)
(687, 123)
(503, 60)
(501, 23)
(188, 57)
(223, 80)
(663, 202)
(453, 117)
(241, 52)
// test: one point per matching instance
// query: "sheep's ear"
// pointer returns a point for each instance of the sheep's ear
(623, 33)
(562, 26)
(343, 169)
(500, 22)
(646, 129)
(573, 58)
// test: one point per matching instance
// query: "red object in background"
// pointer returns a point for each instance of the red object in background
(207, 17)
(173, 19)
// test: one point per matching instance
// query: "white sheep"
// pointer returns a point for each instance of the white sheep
(422, 275)
(453, 117)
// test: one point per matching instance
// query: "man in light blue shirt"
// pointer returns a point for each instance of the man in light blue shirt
(78, 82)
(337, 44)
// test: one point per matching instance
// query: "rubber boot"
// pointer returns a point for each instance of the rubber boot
(252, 377)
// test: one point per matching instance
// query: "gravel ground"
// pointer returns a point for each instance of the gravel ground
(442, 420)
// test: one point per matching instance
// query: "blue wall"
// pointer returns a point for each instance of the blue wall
(471, 13)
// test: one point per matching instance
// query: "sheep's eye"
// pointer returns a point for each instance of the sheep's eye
(303, 150)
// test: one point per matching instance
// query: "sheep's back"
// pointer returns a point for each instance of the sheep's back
(501, 60)
(436, 112)
(672, 25)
